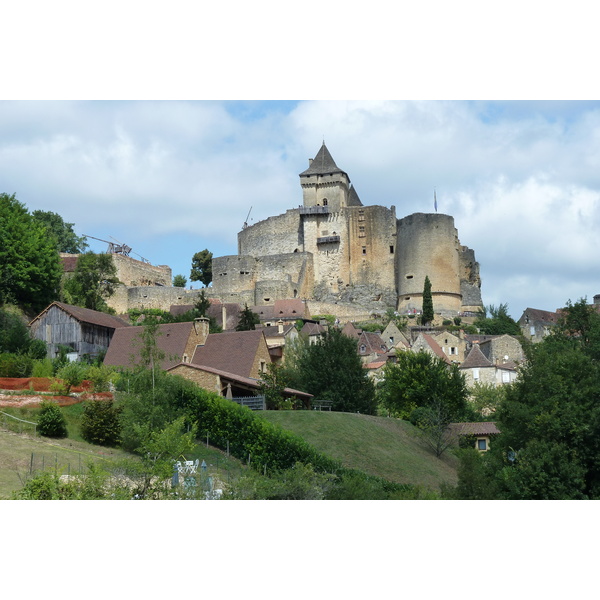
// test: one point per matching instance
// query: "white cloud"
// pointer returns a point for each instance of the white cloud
(521, 179)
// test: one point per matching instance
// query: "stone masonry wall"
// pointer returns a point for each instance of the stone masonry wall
(132, 272)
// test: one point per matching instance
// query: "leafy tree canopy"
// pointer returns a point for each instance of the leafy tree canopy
(202, 267)
(332, 370)
(496, 321)
(30, 267)
(179, 281)
(93, 282)
(66, 239)
(549, 446)
(419, 379)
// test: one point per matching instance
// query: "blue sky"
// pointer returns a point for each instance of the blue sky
(169, 178)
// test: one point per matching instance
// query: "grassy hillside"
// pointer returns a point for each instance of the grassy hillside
(380, 446)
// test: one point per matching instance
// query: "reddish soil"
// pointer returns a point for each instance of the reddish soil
(30, 385)
(36, 384)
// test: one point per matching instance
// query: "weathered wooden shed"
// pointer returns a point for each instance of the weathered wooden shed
(84, 331)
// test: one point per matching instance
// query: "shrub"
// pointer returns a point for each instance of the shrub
(101, 423)
(71, 375)
(100, 377)
(51, 421)
(42, 368)
(15, 365)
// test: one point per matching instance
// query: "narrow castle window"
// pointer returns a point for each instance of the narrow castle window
(324, 201)
(364, 249)
(391, 249)
(409, 276)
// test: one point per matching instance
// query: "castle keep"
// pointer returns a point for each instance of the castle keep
(333, 250)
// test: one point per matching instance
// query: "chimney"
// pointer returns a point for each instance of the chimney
(201, 326)
(224, 317)
(310, 162)
(597, 299)
(280, 326)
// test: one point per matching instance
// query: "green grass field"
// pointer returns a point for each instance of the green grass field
(389, 448)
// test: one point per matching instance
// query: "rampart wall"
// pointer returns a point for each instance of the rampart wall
(132, 272)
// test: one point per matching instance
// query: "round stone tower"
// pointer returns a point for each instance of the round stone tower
(428, 246)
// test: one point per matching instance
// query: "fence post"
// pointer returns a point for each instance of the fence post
(31, 465)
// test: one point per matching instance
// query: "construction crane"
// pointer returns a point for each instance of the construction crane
(246, 221)
(117, 248)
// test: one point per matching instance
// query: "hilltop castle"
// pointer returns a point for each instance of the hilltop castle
(333, 250)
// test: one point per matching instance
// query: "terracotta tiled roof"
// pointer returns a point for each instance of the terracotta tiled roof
(485, 428)
(375, 365)
(231, 351)
(86, 315)
(476, 359)
(351, 331)
(126, 344)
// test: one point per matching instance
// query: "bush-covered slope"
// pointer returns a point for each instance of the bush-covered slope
(388, 448)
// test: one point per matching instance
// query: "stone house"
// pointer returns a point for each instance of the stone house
(392, 336)
(481, 433)
(84, 331)
(371, 347)
(452, 346)
(313, 331)
(426, 343)
(536, 324)
(477, 368)
(229, 385)
(497, 348)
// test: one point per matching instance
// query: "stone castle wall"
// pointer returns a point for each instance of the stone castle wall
(428, 246)
(162, 298)
(132, 272)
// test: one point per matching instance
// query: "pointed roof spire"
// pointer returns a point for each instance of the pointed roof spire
(323, 163)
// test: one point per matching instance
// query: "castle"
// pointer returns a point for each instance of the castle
(347, 258)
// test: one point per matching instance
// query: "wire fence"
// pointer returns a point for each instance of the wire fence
(16, 425)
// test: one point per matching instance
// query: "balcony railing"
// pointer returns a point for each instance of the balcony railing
(314, 210)
(330, 239)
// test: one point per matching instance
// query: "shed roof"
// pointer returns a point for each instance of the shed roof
(86, 315)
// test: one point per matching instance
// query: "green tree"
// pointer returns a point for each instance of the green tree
(427, 316)
(202, 304)
(418, 379)
(248, 320)
(549, 445)
(179, 281)
(30, 267)
(272, 384)
(101, 423)
(494, 320)
(332, 370)
(51, 421)
(66, 239)
(202, 267)
(93, 282)
(14, 335)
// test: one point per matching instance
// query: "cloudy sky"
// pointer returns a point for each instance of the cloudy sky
(169, 178)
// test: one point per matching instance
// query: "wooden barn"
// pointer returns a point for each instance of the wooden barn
(83, 331)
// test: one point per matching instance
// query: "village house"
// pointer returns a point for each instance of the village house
(536, 324)
(478, 369)
(426, 343)
(83, 331)
(481, 434)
